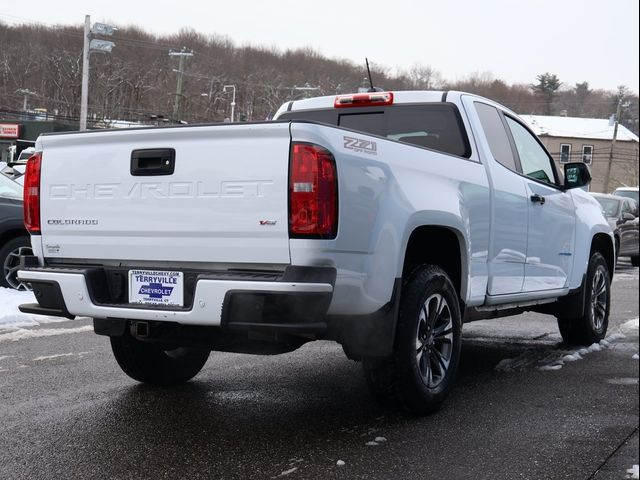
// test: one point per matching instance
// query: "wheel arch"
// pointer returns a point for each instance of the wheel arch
(449, 254)
(602, 243)
(10, 234)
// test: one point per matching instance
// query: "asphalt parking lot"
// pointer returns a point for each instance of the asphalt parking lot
(525, 407)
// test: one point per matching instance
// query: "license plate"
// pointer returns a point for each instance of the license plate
(156, 288)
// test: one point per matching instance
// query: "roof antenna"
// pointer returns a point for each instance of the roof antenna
(372, 88)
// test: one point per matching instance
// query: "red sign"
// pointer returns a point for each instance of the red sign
(9, 130)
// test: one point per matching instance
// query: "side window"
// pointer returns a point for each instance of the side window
(535, 161)
(587, 154)
(496, 135)
(565, 152)
(630, 206)
(437, 127)
(625, 207)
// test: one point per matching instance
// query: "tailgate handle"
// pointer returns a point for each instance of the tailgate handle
(153, 161)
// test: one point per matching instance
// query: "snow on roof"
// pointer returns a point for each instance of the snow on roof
(573, 127)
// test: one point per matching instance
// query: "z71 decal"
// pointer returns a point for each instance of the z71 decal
(360, 145)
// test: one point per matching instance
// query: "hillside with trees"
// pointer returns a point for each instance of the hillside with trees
(42, 67)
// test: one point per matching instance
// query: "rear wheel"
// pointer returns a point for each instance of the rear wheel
(421, 371)
(10, 262)
(591, 327)
(155, 364)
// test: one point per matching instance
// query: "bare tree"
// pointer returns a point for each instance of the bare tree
(136, 81)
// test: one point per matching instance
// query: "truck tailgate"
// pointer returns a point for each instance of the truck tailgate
(224, 202)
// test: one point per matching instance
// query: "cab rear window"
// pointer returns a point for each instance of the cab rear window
(435, 126)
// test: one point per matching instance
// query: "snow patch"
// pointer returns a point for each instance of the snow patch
(623, 381)
(371, 444)
(288, 472)
(616, 336)
(630, 326)
(572, 357)
(550, 360)
(549, 368)
(340, 463)
(633, 472)
(52, 357)
(595, 347)
(11, 317)
(2, 357)
(635, 356)
(23, 334)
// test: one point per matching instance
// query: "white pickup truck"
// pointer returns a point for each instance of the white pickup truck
(380, 220)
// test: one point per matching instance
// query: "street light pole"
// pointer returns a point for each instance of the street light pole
(91, 45)
(26, 92)
(84, 95)
(233, 98)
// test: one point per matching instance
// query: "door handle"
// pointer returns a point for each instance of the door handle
(537, 199)
(153, 161)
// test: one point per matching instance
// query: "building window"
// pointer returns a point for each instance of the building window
(587, 154)
(565, 152)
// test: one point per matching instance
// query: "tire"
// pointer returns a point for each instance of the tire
(635, 261)
(150, 363)
(419, 374)
(591, 327)
(10, 262)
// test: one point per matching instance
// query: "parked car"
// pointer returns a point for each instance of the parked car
(622, 214)
(25, 155)
(629, 192)
(16, 168)
(14, 239)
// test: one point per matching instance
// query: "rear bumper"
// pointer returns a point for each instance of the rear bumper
(300, 297)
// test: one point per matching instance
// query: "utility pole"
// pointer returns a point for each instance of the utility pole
(182, 55)
(607, 176)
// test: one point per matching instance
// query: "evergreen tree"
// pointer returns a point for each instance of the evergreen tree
(547, 87)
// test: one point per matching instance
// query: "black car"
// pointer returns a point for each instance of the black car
(622, 215)
(14, 239)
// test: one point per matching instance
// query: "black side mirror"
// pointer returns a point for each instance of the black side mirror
(576, 175)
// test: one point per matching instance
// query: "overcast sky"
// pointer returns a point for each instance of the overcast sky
(578, 40)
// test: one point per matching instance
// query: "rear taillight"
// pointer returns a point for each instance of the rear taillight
(363, 99)
(313, 192)
(32, 194)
